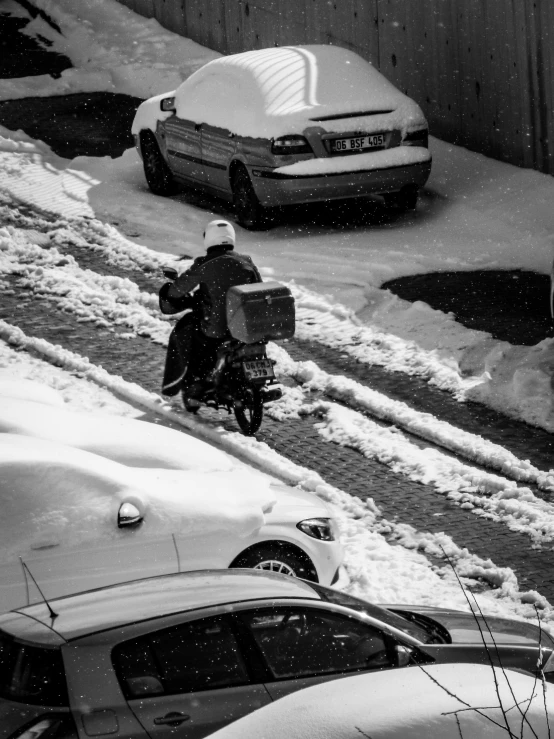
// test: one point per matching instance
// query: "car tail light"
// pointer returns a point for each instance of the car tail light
(291, 145)
(318, 528)
(51, 726)
(417, 138)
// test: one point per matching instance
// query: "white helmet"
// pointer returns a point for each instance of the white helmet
(218, 233)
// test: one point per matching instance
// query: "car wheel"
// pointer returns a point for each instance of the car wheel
(248, 209)
(278, 558)
(157, 173)
(406, 199)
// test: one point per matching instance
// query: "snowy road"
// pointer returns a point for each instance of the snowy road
(79, 285)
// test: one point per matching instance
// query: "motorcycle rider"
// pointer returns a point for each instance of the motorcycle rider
(194, 341)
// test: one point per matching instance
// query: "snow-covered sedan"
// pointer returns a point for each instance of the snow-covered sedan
(286, 125)
(73, 520)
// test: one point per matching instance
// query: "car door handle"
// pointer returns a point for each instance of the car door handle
(174, 718)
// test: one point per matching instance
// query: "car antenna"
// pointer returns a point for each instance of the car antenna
(26, 570)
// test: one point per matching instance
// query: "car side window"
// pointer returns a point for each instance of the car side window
(299, 642)
(195, 656)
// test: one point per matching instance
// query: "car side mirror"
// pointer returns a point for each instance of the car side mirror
(403, 655)
(168, 105)
(128, 516)
(142, 686)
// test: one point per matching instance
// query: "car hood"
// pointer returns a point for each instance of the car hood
(297, 504)
(466, 628)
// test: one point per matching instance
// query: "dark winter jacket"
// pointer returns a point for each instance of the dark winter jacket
(214, 273)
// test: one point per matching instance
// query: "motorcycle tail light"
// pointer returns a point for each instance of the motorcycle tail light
(272, 393)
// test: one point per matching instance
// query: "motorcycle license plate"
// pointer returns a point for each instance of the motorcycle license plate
(255, 369)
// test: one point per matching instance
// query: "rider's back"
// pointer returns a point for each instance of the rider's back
(215, 276)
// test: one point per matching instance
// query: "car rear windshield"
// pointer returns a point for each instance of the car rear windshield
(383, 614)
(30, 674)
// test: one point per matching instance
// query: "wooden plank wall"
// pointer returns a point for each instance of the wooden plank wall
(482, 70)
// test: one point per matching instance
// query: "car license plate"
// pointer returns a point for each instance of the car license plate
(359, 143)
(256, 369)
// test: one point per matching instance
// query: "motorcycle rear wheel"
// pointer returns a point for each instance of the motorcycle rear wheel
(250, 414)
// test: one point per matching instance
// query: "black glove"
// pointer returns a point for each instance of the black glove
(170, 306)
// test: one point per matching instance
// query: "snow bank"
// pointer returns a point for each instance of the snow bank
(432, 702)
(27, 390)
(111, 48)
(53, 494)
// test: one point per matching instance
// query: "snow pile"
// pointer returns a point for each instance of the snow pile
(400, 415)
(111, 48)
(435, 702)
(12, 387)
(108, 301)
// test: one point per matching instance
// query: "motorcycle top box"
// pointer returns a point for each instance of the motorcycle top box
(262, 311)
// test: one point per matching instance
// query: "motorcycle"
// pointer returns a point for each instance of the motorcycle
(242, 379)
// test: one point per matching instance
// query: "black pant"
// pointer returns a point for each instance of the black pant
(190, 355)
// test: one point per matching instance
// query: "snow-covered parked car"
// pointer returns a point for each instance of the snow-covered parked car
(286, 125)
(448, 701)
(90, 500)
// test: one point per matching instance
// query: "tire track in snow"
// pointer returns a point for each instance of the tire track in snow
(112, 301)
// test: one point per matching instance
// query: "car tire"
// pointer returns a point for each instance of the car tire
(249, 211)
(157, 173)
(405, 200)
(278, 558)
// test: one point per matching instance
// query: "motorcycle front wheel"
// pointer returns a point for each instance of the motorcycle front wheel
(250, 413)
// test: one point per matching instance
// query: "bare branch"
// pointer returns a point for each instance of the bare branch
(465, 703)
(496, 685)
(543, 678)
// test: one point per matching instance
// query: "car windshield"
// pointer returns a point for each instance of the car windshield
(383, 614)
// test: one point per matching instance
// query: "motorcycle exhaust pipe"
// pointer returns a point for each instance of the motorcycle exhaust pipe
(273, 393)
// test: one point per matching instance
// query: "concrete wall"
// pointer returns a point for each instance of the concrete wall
(482, 70)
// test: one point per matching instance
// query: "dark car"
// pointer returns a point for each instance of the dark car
(286, 125)
(182, 655)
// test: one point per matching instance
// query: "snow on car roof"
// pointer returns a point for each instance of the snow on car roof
(264, 92)
(279, 91)
(106, 608)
